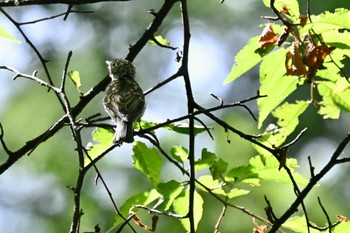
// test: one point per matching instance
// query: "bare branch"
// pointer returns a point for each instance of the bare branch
(11, 3)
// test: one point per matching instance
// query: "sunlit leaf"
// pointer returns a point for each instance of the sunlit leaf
(206, 159)
(144, 124)
(274, 83)
(267, 170)
(329, 21)
(298, 224)
(287, 120)
(161, 40)
(181, 205)
(148, 161)
(104, 139)
(5, 34)
(291, 6)
(246, 59)
(169, 191)
(288, 116)
(74, 75)
(335, 96)
(179, 153)
(217, 187)
(143, 198)
(342, 227)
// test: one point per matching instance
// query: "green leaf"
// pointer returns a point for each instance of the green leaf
(147, 161)
(268, 170)
(206, 160)
(335, 96)
(169, 192)
(74, 75)
(161, 40)
(329, 21)
(218, 168)
(104, 139)
(183, 128)
(274, 84)
(291, 5)
(181, 204)
(288, 119)
(6, 35)
(218, 187)
(246, 59)
(342, 227)
(179, 153)
(298, 224)
(144, 125)
(143, 198)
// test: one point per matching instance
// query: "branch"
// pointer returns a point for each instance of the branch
(10, 3)
(313, 181)
(92, 93)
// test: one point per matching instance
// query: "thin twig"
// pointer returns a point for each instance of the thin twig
(326, 214)
(221, 217)
(52, 17)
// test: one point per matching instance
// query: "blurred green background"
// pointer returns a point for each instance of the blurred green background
(33, 193)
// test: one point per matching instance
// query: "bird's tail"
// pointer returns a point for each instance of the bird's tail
(124, 132)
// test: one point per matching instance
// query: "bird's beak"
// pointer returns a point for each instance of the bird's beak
(108, 62)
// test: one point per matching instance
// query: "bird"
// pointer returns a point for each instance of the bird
(124, 100)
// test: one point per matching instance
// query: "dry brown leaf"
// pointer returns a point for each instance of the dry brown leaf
(268, 37)
(294, 62)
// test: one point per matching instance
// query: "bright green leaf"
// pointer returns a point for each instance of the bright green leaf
(342, 227)
(161, 40)
(288, 119)
(274, 84)
(217, 187)
(329, 21)
(143, 198)
(269, 170)
(5, 34)
(214, 185)
(291, 5)
(179, 153)
(148, 161)
(246, 59)
(169, 192)
(298, 224)
(183, 128)
(335, 96)
(181, 204)
(206, 160)
(237, 193)
(144, 125)
(104, 137)
(75, 77)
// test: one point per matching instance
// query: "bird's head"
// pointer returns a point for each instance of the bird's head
(121, 68)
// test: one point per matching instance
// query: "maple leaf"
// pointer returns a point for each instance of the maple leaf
(294, 61)
(268, 37)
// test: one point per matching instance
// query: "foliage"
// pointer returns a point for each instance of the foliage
(294, 52)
